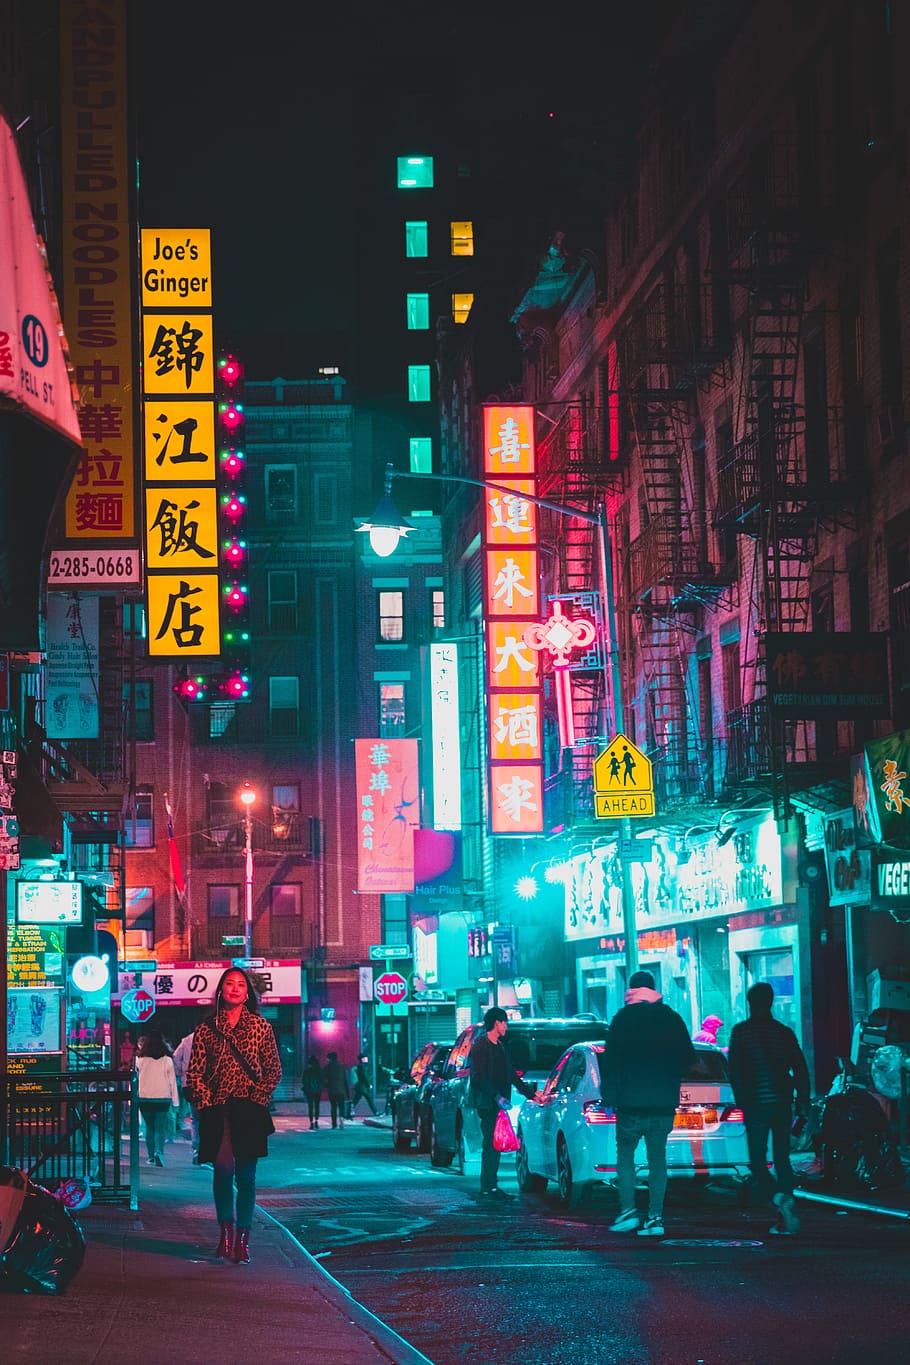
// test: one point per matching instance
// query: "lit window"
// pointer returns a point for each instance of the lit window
(140, 821)
(439, 608)
(461, 306)
(415, 172)
(391, 709)
(462, 239)
(134, 622)
(418, 312)
(221, 714)
(329, 369)
(282, 587)
(286, 812)
(391, 615)
(224, 902)
(416, 239)
(421, 455)
(285, 898)
(418, 383)
(284, 706)
(140, 908)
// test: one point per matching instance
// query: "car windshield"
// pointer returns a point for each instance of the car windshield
(708, 1067)
(540, 1049)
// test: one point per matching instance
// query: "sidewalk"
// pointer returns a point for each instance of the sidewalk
(150, 1289)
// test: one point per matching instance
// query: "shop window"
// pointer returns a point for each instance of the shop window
(391, 709)
(415, 172)
(140, 820)
(416, 239)
(224, 902)
(418, 383)
(418, 312)
(462, 238)
(391, 615)
(461, 307)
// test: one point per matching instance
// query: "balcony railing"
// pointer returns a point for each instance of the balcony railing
(273, 936)
(575, 444)
(281, 832)
(796, 464)
(749, 748)
(664, 554)
(674, 328)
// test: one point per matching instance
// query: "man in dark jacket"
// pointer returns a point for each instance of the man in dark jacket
(492, 1078)
(337, 1088)
(766, 1066)
(647, 1051)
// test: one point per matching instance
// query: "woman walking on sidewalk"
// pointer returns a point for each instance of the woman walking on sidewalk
(233, 1069)
(157, 1092)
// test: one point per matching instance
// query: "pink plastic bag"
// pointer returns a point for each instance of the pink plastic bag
(504, 1136)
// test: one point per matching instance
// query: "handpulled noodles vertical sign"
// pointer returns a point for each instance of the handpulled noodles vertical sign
(388, 809)
(511, 603)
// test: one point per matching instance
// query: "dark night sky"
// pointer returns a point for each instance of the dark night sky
(254, 119)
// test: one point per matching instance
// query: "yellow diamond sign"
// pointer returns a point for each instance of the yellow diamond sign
(623, 782)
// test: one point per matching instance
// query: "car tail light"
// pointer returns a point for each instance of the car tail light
(596, 1112)
(518, 1073)
(733, 1115)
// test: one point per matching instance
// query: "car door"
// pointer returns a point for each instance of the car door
(565, 1114)
(447, 1096)
(545, 1128)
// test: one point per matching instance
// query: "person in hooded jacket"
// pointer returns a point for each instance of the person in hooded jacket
(647, 1051)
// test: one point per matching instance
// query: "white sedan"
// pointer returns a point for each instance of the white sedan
(568, 1134)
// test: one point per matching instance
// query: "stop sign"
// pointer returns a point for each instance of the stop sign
(137, 1005)
(390, 988)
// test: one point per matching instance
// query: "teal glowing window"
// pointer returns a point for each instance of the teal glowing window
(421, 455)
(418, 312)
(416, 239)
(415, 172)
(418, 383)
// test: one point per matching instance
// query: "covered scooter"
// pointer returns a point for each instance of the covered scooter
(856, 1145)
(41, 1244)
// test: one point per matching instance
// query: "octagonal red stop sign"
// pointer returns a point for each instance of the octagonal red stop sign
(390, 988)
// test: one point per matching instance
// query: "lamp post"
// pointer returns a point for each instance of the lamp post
(248, 800)
(386, 527)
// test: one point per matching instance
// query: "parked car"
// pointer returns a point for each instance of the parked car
(569, 1134)
(534, 1046)
(409, 1102)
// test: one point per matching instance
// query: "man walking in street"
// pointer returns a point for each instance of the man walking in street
(647, 1051)
(766, 1067)
(492, 1078)
(363, 1086)
(337, 1088)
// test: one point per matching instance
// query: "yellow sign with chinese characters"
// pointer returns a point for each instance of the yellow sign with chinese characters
(183, 615)
(177, 354)
(623, 782)
(179, 441)
(182, 528)
(176, 267)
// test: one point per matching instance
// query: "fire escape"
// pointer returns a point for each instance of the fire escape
(669, 348)
(786, 474)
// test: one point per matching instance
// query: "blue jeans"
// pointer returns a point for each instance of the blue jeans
(155, 1115)
(227, 1171)
(489, 1157)
(776, 1119)
(631, 1126)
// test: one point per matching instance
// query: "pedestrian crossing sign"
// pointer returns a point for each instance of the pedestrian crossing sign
(623, 782)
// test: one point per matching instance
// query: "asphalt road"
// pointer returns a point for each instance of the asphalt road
(532, 1283)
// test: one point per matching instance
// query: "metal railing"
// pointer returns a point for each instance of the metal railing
(74, 1126)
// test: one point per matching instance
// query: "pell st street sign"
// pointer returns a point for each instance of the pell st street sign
(379, 952)
(623, 782)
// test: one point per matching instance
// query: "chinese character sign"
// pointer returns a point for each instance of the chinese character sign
(72, 666)
(181, 506)
(446, 736)
(888, 798)
(98, 266)
(388, 809)
(511, 605)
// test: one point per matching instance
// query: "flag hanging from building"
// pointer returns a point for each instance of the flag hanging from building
(173, 850)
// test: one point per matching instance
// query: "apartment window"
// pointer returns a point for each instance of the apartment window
(421, 455)
(391, 615)
(143, 719)
(325, 500)
(415, 172)
(284, 707)
(134, 622)
(286, 812)
(140, 821)
(418, 383)
(280, 490)
(439, 608)
(221, 715)
(416, 239)
(224, 902)
(140, 908)
(733, 697)
(282, 591)
(462, 238)
(418, 312)
(461, 306)
(391, 709)
(285, 899)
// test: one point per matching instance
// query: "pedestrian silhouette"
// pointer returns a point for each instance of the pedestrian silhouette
(628, 763)
(614, 768)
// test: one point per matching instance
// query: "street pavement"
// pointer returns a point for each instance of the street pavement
(150, 1290)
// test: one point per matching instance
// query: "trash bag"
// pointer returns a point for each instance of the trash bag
(504, 1136)
(857, 1150)
(41, 1245)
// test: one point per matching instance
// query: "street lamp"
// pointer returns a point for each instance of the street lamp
(386, 527)
(248, 800)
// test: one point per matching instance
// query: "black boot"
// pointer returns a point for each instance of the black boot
(226, 1243)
